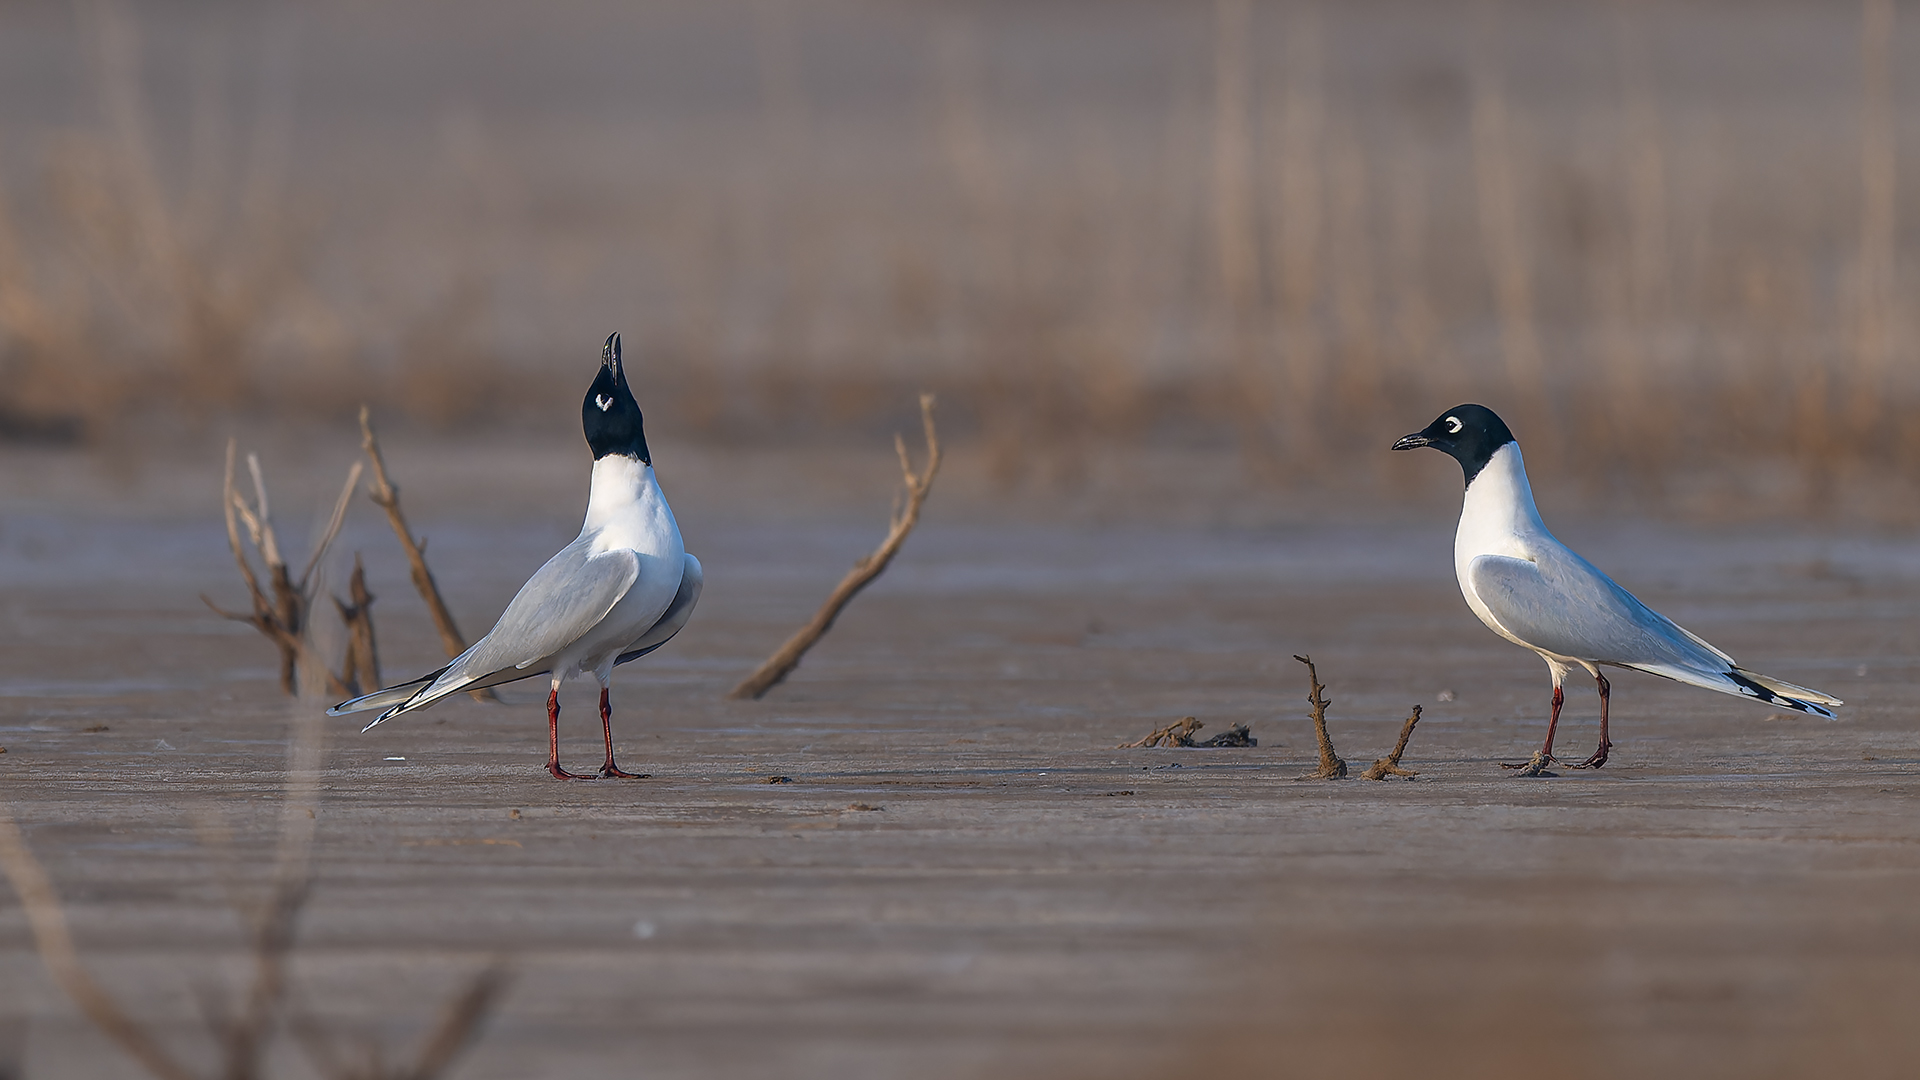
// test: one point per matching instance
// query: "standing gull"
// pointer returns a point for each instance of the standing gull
(1535, 591)
(618, 592)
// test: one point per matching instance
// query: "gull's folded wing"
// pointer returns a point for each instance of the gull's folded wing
(672, 619)
(1564, 606)
(669, 624)
(558, 604)
(555, 608)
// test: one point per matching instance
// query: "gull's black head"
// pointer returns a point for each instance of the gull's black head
(610, 416)
(1470, 433)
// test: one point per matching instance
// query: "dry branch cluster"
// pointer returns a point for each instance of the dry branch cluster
(282, 614)
(1180, 733)
(282, 610)
(1331, 767)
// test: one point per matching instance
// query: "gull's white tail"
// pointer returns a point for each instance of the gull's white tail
(383, 699)
(1751, 684)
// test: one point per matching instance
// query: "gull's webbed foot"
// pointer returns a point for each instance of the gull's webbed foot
(1599, 757)
(1536, 766)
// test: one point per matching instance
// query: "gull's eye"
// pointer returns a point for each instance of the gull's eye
(606, 403)
(1453, 424)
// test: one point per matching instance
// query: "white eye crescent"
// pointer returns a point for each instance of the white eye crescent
(606, 403)
(1453, 424)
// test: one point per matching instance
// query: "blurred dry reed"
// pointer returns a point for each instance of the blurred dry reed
(244, 1024)
(1264, 244)
(125, 297)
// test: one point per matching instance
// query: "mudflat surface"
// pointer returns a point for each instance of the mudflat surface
(1732, 896)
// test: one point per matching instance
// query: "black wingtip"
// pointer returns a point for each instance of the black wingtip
(1754, 689)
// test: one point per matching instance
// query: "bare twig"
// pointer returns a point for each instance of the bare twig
(386, 495)
(360, 669)
(232, 503)
(54, 942)
(338, 519)
(1175, 734)
(280, 618)
(268, 625)
(1331, 767)
(288, 611)
(263, 617)
(1390, 765)
(906, 514)
(262, 527)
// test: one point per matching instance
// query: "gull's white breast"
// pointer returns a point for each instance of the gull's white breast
(1498, 517)
(626, 510)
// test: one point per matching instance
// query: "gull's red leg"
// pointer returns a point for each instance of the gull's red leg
(1545, 756)
(1599, 757)
(553, 740)
(606, 726)
(1559, 699)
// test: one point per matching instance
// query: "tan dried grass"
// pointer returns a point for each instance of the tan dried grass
(1265, 260)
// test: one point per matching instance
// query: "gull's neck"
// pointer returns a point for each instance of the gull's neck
(1498, 516)
(624, 491)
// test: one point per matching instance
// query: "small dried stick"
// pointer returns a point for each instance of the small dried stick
(360, 670)
(906, 514)
(1331, 767)
(1176, 734)
(386, 496)
(1390, 765)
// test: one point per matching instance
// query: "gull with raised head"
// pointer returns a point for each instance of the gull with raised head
(619, 591)
(1533, 590)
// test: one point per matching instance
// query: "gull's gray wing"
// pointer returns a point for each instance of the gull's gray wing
(675, 617)
(558, 604)
(1565, 606)
(555, 608)
(670, 623)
